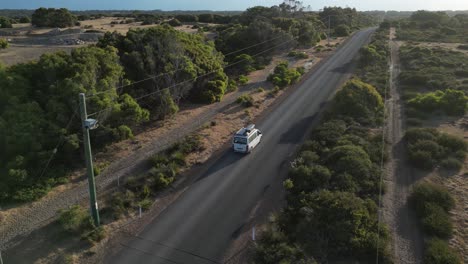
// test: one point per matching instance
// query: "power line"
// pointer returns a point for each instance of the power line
(382, 160)
(203, 75)
(62, 138)
(172, 72)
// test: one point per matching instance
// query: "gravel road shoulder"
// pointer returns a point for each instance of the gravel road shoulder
(407, 238)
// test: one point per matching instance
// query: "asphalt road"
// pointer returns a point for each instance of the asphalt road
(200, 225)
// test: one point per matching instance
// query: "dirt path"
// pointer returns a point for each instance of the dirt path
(407, 238)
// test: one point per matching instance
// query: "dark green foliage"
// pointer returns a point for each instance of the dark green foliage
(245, 100)
(436, 222)
(298, 54)
(186, 18)
(243, 64)
(283, 76)
(433, 27)
(180, 56)
(429, 193)
(25, 20)
(463, 47)
(274, 247)
(427, 148)
(174, 23)
(51, 17)
(346, 16)
(37, 101)
(261, 36)
(360, 101)
(348, 223)
(432, 203)
(5, 22)
(342, 30)
(439, 252)
(309, 177)
(332, 188)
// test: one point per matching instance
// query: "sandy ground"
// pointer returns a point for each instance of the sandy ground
(19, 54)
(29, 43)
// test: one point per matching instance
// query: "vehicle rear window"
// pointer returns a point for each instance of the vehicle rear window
(240, 140)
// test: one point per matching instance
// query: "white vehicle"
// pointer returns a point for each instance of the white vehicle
(246, 139)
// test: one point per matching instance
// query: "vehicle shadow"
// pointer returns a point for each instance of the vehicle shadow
(227, 158)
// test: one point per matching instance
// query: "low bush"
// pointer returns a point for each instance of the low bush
(424, 193)
(243, 80)
(439, 252)
(283, 76)
(451, 164)
(463, 47)
(3, 44)
(432, 204)
(245, 100)
(73, 219)
(298, 54)
(452, 102)
(428, 148)
(436, 221)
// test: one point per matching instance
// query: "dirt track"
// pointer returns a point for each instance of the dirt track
(407, 238)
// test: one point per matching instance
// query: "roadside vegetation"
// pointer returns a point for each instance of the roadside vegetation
(333, 184)
(38, 99)
(433, 81)
(434, 27)
(333, 188)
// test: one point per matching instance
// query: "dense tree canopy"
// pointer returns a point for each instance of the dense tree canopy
(37, 101)
(176, 59)
(51, 17)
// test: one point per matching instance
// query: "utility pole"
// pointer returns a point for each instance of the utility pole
(87, 125)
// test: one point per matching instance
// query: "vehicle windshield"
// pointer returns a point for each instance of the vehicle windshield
(240, 140)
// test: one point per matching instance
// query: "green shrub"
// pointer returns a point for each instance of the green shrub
(243, 80)
(451, 164)
(245, 100)
(3, 44)
(96, 170)
(123, 132)
(174, 22)
(232, 86)
(145, 204)
(73, 219)
(439, 252)
(161, 181)
(359, 100)
(342, 30)
(436, 222)
(298, 54)
(260, 90)
(463, 47)
(424, 193)
(283, 76)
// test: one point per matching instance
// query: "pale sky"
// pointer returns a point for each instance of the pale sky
(400, 5)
